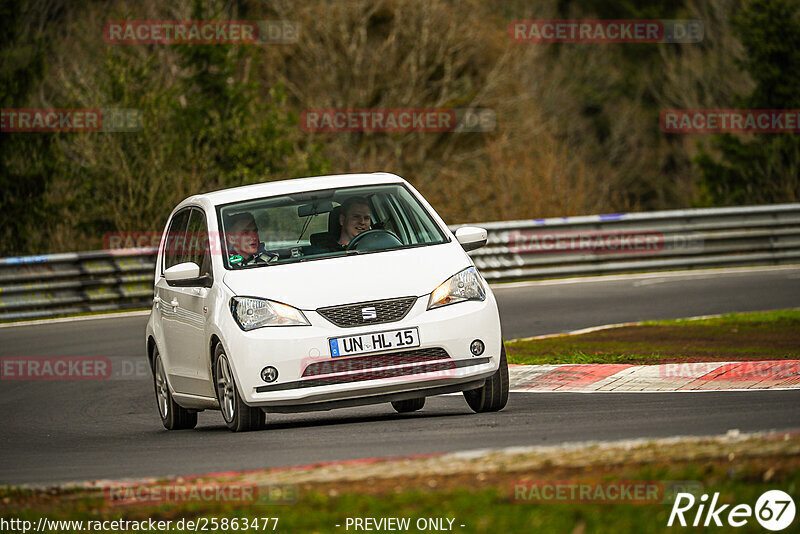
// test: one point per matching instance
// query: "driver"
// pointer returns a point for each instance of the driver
(244, 248)
(355, 219)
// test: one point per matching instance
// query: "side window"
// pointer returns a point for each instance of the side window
(197, 249)
(176, 239)
(418, 227)
(382, 213)
(403, 227)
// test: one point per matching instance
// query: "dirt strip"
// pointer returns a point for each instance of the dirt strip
(513, 460)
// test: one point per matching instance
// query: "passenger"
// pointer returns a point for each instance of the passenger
(244, 247)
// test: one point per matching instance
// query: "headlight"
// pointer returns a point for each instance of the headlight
(461, 287)
(253, 313)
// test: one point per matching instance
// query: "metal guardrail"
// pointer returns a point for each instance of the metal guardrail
(672, 240)
(58, 284)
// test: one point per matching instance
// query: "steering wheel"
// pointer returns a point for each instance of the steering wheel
(376, 239)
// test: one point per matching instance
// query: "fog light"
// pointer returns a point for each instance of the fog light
(477, 347)
(269, 374)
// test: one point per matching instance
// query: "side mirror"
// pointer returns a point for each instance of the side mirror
(186, 275)
(471, 237)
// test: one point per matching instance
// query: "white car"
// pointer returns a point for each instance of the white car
(268, 298)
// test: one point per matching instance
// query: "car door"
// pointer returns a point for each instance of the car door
(183, 309)
(166, 301)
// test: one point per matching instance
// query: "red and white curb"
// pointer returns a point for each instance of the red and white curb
(753, 375)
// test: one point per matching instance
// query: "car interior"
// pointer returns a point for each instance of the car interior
(305, 226)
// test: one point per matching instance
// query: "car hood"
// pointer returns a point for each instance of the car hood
(342, 280)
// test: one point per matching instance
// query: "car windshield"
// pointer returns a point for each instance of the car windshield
(323, 224)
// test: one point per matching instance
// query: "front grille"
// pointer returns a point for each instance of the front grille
(420, 368)
(375, 361)
(385, 311)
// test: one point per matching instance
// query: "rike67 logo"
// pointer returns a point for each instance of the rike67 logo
(774, 510)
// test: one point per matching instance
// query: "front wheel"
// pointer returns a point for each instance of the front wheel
(173, 416)
(493, 396)
(238, 416)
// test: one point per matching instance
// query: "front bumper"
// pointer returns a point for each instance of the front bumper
(448, 365)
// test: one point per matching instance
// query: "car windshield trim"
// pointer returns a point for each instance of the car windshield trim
(342, 254)
(328, 194)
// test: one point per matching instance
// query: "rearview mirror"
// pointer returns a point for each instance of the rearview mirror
(320, 206)
(471, 237)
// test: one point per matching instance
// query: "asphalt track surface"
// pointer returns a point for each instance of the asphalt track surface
(59, 431)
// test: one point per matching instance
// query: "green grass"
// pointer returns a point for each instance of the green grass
(487, 509)
(777, 318)
(740, 336)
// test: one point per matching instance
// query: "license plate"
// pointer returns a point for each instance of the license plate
(374, 342)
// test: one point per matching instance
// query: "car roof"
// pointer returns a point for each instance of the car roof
(297, 185)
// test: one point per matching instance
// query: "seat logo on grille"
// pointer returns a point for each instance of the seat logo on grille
(369, 313)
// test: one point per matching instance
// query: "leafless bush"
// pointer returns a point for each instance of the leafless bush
(576, 130)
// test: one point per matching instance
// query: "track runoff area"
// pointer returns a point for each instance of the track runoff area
(573, 475)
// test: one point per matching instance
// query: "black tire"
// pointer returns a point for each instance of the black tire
(408, 405)
(237, 415)
(493, 396)
(173, 416)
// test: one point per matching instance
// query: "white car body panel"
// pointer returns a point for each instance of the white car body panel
(372, 276)
(184, 334)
